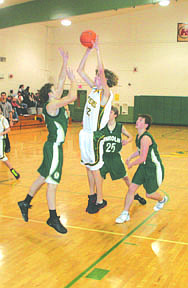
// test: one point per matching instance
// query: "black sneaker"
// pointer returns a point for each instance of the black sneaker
(24, 209)
(15, 173)
(91, 207)
(102, 205)
(56, 224)
(140, 199)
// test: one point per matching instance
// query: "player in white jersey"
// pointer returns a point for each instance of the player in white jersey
(4, 129)
(96, 115)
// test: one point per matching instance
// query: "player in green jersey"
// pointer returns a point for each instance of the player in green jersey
(150, 172)
(113, 142)
(56, 120)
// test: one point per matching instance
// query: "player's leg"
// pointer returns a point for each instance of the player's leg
(137, 197)
(154, 179)
(124, 216)
(158, 197)
(100, 203)
(53, 220)
(25, 204)
(4, 158)
(92, 197)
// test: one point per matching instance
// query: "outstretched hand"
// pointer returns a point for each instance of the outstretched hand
(95, 43)
(70, 74)
(64, 54)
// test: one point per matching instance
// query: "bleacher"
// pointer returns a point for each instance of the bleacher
(29, 121)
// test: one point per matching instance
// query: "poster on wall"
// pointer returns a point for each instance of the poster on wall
(124, 109)
(182, 32)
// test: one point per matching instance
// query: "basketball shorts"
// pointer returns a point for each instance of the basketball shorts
(51, 167)
(150, 177)
(3, 157)
(114, 165)
(91, 147)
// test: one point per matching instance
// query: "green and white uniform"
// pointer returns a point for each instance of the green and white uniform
(94, 119)
(51, 167)
(150, 174)
(3, 125)
(113, 163)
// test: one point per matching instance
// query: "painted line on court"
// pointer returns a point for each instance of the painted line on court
(2, 181)
(160, 240)
(68, 226)
(108, 232)
(108, 252)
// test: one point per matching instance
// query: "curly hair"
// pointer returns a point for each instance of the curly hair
(44, 97)
(112, 79)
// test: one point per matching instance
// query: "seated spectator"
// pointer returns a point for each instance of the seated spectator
(15, 106)
(9, 98)
(22, 105)
(21, 90)
(15, 117)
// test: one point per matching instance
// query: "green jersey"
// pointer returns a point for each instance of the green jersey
(112, 139)
(153, 156)
(56, 125)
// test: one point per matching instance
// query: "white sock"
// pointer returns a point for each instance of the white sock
(100, 202)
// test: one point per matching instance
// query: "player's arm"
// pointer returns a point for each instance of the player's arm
(145, 143)
(81, 69)
(6, 127)
(5, 132)
(128, 135)
(106, 89)
(71, 97)
(10, 114)
(62, 74)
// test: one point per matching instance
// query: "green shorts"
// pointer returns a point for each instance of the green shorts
(150, 177)
(114, 165)
(51, 167)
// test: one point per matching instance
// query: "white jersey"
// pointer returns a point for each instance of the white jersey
(93, 118)
(3, 125)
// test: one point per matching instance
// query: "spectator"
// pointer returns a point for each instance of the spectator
(7, 113)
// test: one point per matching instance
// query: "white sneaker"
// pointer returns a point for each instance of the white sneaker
(160, 204)
(123, 217)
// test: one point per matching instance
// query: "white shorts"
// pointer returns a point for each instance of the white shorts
(3, 157)
(91, 147)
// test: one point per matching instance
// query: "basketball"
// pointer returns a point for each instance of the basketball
(87, 37)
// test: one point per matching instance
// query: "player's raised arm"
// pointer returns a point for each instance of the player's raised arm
(62, 74)
(71, 97)
(81, 69)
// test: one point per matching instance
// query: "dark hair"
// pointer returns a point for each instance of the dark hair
(44, 97)
(115, 110)
(3, 93)
(1, 109)
(112, 79)
(148, 119)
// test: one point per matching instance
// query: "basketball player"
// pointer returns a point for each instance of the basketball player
(113, 163)
(56, 120)
(150, 172)
(96, 115)
(4, 129)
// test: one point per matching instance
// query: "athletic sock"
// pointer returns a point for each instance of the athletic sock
(28, 199)
(100, 202)
(53, 213)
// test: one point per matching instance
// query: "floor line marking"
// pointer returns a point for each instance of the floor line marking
(108, 252)
(161, 240)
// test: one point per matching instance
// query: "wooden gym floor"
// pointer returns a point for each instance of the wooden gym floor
(149, 251)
